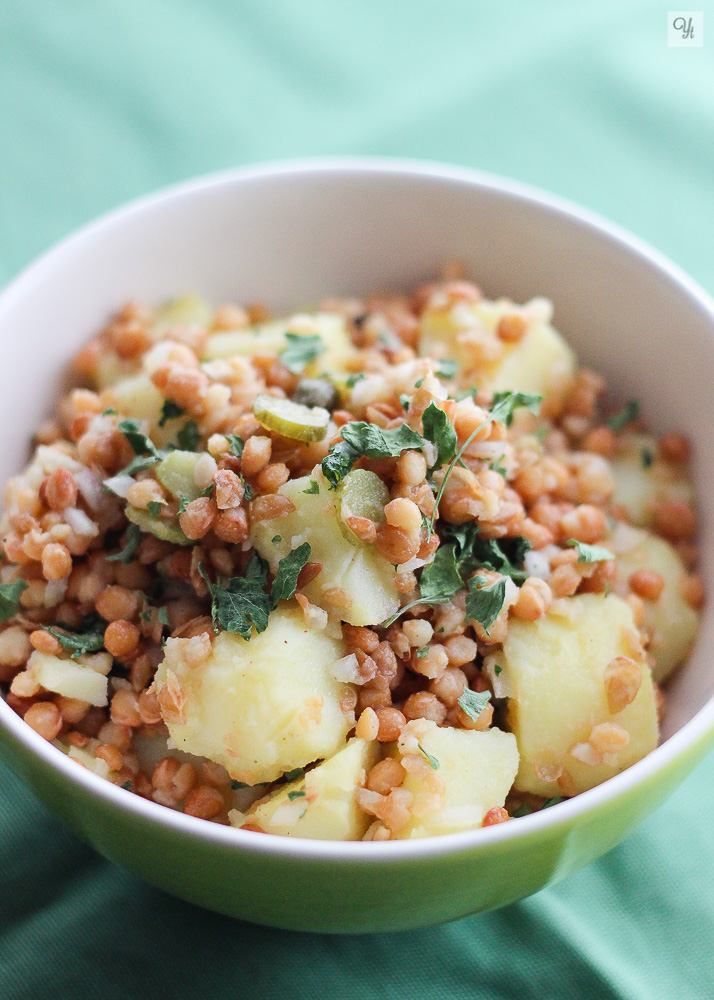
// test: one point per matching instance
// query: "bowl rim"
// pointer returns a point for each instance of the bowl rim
(698, 731)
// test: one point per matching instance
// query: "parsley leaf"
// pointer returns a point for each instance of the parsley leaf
(505, 404)
(300, 351)
(338, 462)
(276, 539)
(440, 431)
(352, 380)
(589, 553)
(154, 507)
(297, 772)
(313, 488)
(441, 578)
(109, 412)
(163, 616)
(235, 445)
(78, 643)
(257, 568)
(138, 464)
(287, 575)
(404, 400)
(132, 538)
(447, 368)
(189, 437)
(141, 444)
(296, 795)
(240, 605)
(647, 458)
(430, 757)
(474, 702)
(183, 504)
(504, 555)
(624, 416)
(9, 598)
(421, 653)
(484, 603)
(170, 410)
(471, 392)
(375, 442)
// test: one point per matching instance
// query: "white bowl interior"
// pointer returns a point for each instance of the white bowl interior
(349, 227)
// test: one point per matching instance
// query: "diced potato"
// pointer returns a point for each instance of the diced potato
(187, 310)
(673, 621)
(541, 362)
(68, 678)
(361, 575)
(476, 769)
(87, 759)
(554, 670)
(112, 369)
(136, 397)
(323, 805)
(642, 478)
(165, 530)
(259, 707)
(269, 338)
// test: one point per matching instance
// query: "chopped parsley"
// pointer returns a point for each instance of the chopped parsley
(441, 578)
(10, 598)
(504, 555)
(297, 772)
(169, 411)
(276, 539)
(338, 463)
(440, 431)
(301, 351)
(132, 538)
(189, 437)
(163, 616)
(313, 488)
(78, 643)
(109, 412)
(154, 507)
(434, 763)
(421, 653)
(419, 383)
(590, 553)
(623, 417)
(474, 702)
(375, 442)
(183, 504)
(471, 392)
(141, 444)
(352, 380)
(240, 605)
(404, 400)
(235, 445)
(296, 795)
(126, 785)
(484, 601)
(647, 458)
(288, 572)
(447, 368)
(498, 670)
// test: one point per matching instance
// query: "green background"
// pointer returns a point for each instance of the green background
(103, 101)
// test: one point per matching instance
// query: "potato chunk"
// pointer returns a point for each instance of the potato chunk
(321, 804)
(259, 707)
(540, 362)
(554, 671)
(355, 584)
(474, 774)
(69, 678)
(674, 622)
(642, 479)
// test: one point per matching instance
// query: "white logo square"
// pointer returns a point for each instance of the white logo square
(685, 28)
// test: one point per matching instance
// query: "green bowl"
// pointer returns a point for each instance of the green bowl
(295, 232)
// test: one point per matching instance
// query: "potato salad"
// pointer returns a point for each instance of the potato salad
(384, 568)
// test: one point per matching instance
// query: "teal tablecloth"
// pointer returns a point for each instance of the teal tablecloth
(104, 101)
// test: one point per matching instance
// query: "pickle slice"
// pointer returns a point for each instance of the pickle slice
(175, 473)
(360, 494)
(164, 530)
(292, 420)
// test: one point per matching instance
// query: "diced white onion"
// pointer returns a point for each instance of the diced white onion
(55, 591)
(119, 484)
(90, 486)
(80, 523)
(537, 563)
(500, 679)
(346, 670)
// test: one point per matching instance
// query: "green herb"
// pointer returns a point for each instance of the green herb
(288, 572)
(404, 400)
(375, 442)
(431, 601)
(145, 615)
(276, 539)
(338, 462)
(522, 810)
(484, 601)
(126, 785)
(647, 458)
(163, 616)
(313, 488)
(352, 380)
(473, 552)
(297, 772)
(441, 578)
(623, 417)
(141, 444)
(497, 467)
(78, 643)
(432, 760)
(235, 445)
(239, 605)
(498, 670)
(589, 553)
(247, 488)
(296, 795)
(183, 504)
(154, 507)
(419, 383)
(466, 393)
(169, 411)
(447, 368)
(132, 538)
(9, 598)
(189, 437)
(474, 702)
(440, 431)
(139, 464)
(207, 490)
(607, 588)
(238, 784)
(504, 405)
(552, 802)
(109, 412)
(301, 351)
(256, 568)
(541, 433)
(421, 653)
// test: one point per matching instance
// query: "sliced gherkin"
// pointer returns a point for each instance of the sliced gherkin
(164, 530)
(175, 473)
(291, 420)
(360, 494)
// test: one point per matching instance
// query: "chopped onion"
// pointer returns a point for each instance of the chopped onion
(119, 484)
(537, 564)
(54, 592)
(80, 523)
(500, 679)
(347, 669)
(90, 486)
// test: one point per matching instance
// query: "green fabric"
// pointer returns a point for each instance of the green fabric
(101, 102)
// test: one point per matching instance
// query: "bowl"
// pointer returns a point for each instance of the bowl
(287, 234)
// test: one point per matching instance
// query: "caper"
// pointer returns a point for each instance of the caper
(317, 392)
